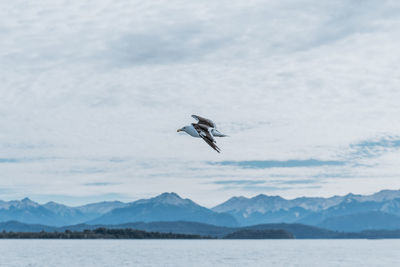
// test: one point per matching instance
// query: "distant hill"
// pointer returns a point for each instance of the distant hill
(29, 212)
(96, 209)
(324, 212)
(342, 213)
(181, 227)
(298, 231)
(362, 221)
(53, 213)
(99, 233)
(15, 226)
(165, 207)
(259, 234)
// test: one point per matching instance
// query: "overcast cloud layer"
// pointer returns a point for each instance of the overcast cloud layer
(92, 93)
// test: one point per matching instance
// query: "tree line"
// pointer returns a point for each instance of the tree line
(98, 233)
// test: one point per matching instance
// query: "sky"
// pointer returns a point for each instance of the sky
(92, 93)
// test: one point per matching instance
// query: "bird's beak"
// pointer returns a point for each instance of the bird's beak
(179, 130)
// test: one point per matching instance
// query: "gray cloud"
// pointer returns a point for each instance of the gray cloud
(181, 43)
(100, 91)
(349, 18)
(238, 182)
(299, 181)
(6, 191)
(99, 184)
(26, 159)
(267, 185)
(253, 188)
(266, 188)
(79, 200)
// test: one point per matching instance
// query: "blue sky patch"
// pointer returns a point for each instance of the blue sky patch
(265, 164)
(370, 148)
(8, 160)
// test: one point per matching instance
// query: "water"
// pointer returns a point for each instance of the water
(199, 253)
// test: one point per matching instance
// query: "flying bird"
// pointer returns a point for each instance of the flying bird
(204, 128)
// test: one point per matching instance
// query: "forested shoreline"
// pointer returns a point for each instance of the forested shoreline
(99, 233)
(185, 230)
(128, 233)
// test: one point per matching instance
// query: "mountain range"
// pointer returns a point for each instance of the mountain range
(165, 207)
(349, 213)
(342, 213)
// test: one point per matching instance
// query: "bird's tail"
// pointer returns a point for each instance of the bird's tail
(217, 133)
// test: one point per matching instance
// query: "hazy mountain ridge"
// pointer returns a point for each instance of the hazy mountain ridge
(165, 207)
(52, 213)
(350, 212)
(262, 203)
(370, 220)
(316, 211)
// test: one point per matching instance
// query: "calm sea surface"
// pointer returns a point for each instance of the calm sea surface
(199, 253)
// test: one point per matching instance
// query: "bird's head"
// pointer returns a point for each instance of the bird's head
(190, 130)
(185, 129)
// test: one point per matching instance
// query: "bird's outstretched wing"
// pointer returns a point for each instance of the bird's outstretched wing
(211, 144)
(205, 134)
(201, 120)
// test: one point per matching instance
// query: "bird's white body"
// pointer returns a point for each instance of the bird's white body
(205, 129)
(190, 130)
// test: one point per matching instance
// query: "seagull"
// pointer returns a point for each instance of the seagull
(204, 128)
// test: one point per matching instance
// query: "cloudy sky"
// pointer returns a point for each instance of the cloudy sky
(92, 93)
